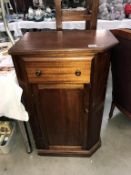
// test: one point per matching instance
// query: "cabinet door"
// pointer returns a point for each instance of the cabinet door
(61, 114)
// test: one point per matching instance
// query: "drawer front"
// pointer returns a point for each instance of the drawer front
(58, 71)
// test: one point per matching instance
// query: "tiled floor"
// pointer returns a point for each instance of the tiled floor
(113, 158)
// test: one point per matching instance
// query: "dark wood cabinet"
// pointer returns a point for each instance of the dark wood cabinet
(121, 72)
(63, 75)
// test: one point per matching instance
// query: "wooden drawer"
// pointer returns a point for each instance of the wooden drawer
(58, 71)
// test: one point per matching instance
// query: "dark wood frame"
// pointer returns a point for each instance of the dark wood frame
(89, 14)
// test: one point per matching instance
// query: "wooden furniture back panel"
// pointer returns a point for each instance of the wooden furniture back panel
(121, 71)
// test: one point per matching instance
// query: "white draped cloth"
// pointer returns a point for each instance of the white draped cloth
(101, 24)
(10, 93)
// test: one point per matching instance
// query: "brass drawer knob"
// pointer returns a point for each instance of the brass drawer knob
(38, 73)
(77, 72)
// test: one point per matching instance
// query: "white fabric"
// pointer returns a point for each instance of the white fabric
(101, 24)
(115, 24)
(10, 94)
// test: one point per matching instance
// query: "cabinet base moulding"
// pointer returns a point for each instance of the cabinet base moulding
(69, 150)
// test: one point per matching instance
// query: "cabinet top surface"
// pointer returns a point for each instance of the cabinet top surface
(40, 42)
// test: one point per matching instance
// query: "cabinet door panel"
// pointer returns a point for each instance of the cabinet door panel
(61, 115)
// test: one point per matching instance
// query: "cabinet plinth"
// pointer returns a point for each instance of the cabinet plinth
(64, 82)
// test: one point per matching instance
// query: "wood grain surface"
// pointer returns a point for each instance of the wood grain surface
(64, 82)
(59, 71)
(64, 42)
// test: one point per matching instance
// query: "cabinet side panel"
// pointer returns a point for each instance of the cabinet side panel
(100, 69)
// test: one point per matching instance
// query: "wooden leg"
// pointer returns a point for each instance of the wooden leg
(25, 135)
(111, 110)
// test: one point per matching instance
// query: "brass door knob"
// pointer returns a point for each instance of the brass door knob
(38, 73)
(77, 72)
